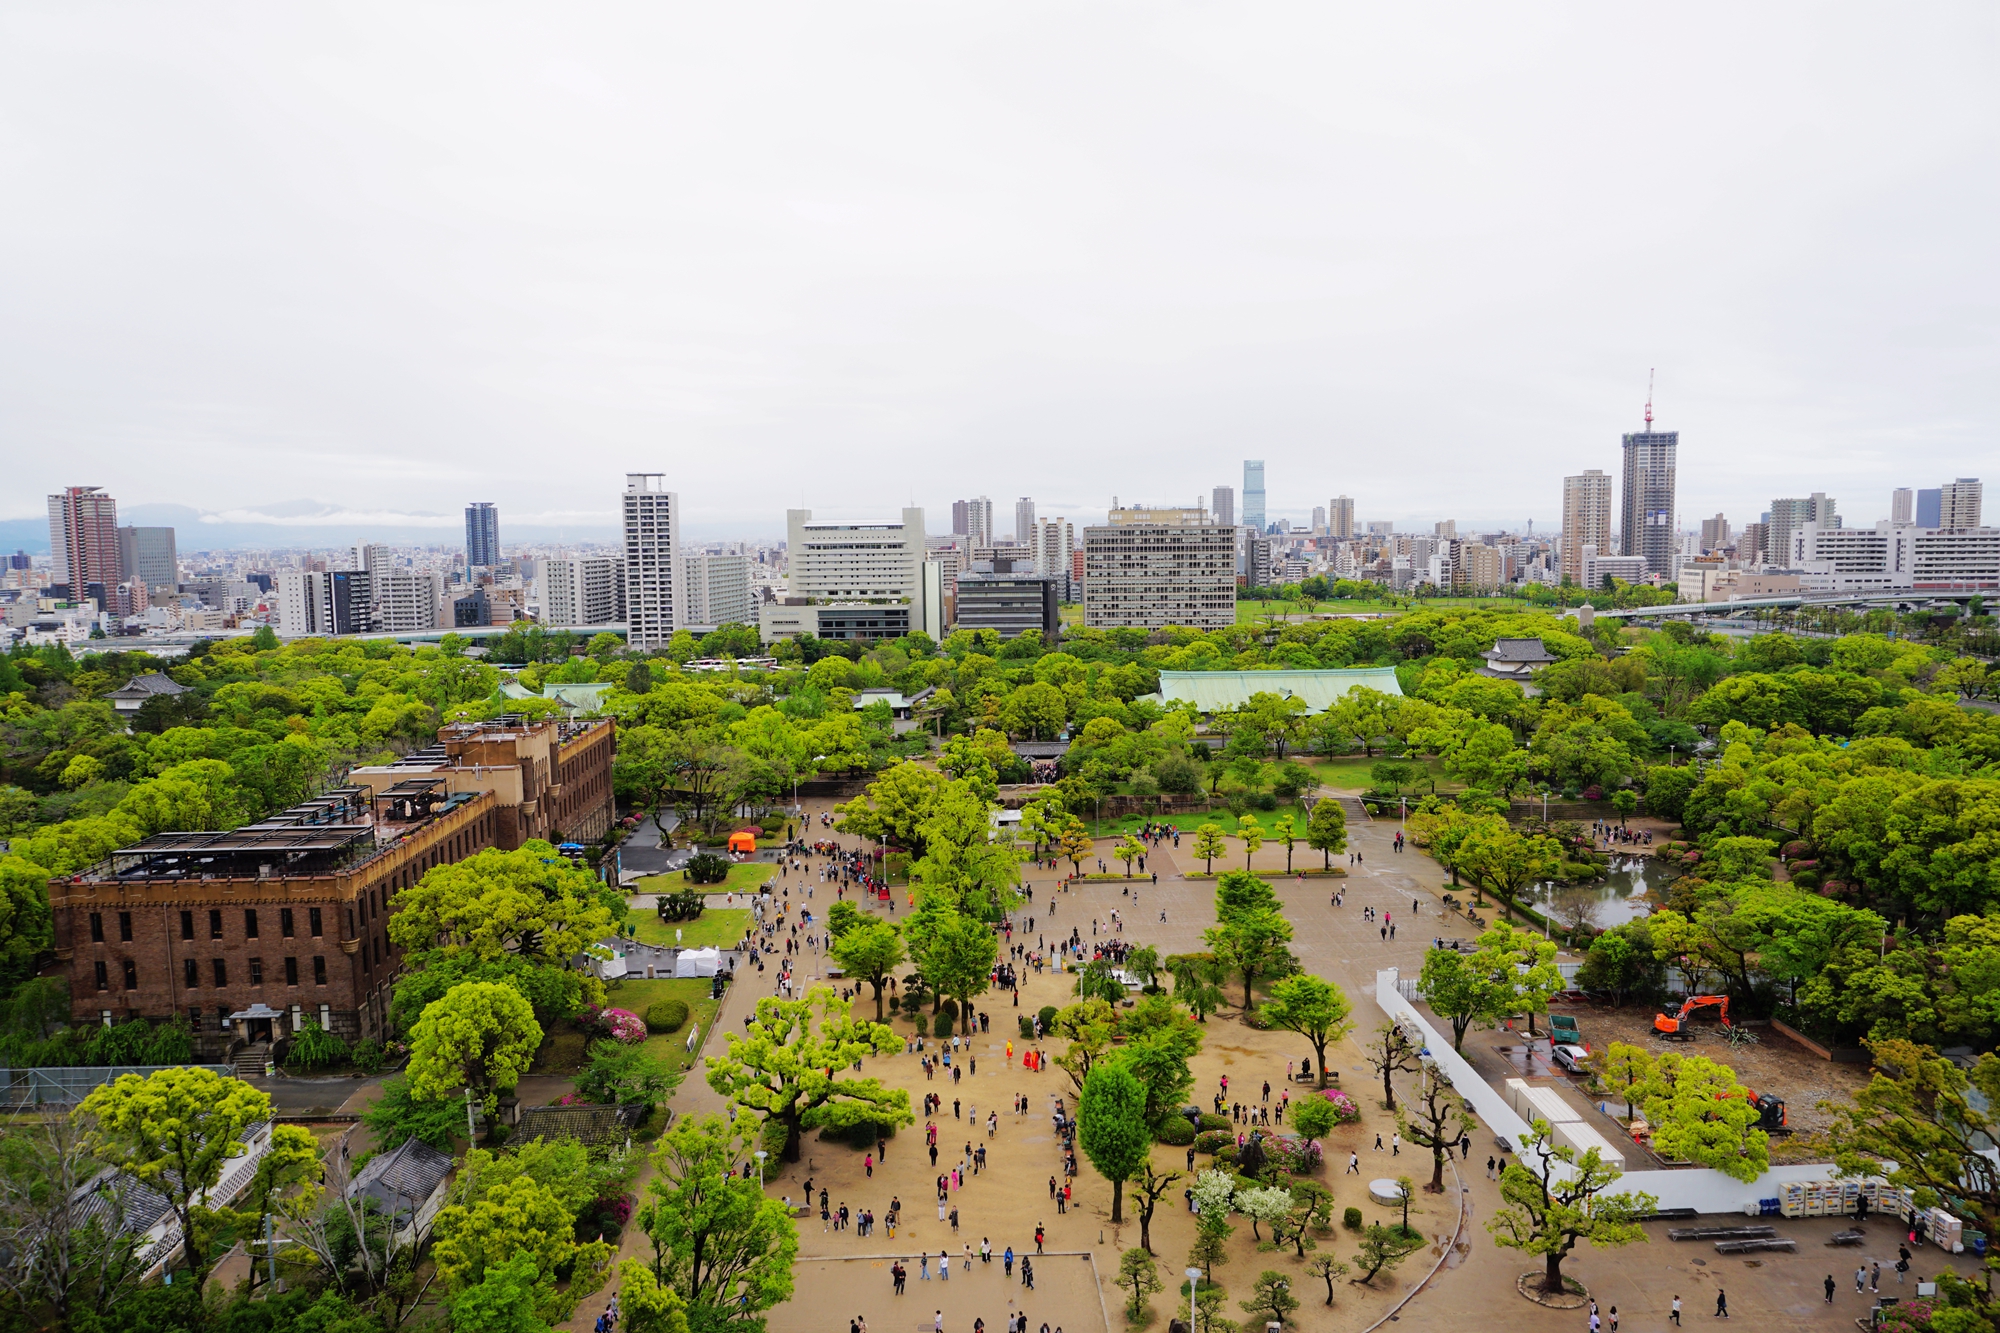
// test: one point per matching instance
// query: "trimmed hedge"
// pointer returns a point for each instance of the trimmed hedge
(1210, 1120)
(1048, 1017)
(707, 868)
(667, 1016)
(1214, 1141)
(1351, 1219)
(1175, 1131)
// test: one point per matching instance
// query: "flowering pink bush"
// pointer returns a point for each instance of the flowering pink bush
(624, 1025)
(1343, 1106)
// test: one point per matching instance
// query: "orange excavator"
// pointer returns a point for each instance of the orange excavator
(1674, 1026)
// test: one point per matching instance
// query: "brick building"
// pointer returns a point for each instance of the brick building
(292, 912)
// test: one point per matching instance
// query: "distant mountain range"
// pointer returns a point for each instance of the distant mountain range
(308, 524)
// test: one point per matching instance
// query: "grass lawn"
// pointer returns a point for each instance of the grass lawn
(1190, 821)
(718, 926)
(1350, 772)
(638, 994)
(743, 877)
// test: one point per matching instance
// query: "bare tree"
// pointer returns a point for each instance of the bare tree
(1146, 1192)
(1390, 1053)
(351, 1237)
(1575, 908)
(63, 1240)
(1436, 1120)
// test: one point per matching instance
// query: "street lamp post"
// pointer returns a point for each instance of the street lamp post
(761, 1155)
(1194, 1282)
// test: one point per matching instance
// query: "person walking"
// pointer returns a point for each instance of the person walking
(1875, 1276)
(1829, 1289)
(1614, 1319)
(1396, 1144)
(924, 1266)
(1039, 1234)
(944, 1266)
(1721, 1303)
(1676, 1316)
(1860, 1279)
(1489, 1168)
(1007, 1263)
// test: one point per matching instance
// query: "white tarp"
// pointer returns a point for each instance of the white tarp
(698, 962)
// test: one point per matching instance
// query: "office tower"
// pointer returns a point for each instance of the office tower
(1222, 504)
(1340, 518)
(482, 535)
(1902, 505)
(1788, 516)
(147, 555)
(1150, 568)
(959, 516)
(1586, 512)
(83, 539)
(1024, 521)
(1647, 515)
(1009, 604)
(1930, 507)
(1319, 520)
(652, 560)
(1253, 493)
(1958, 505)
(718, 591)
(588, 590)
(853, 578)
(1714, 533)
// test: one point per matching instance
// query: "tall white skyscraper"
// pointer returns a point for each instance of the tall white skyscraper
(1051, 544)
(1024, 521)
(587, 590)
(1586, 511)
(978, 518)
(1958, 505)
(652, 560)
(1902, 505)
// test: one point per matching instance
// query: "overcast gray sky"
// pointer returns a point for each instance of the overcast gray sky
(391, 258)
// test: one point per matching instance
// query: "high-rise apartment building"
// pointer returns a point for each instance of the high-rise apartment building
(1319, 520)
(1714, 533)
(147, 555)
(1253, 493)
(1445, 528)
(1646, 518)
(406, 601)
(1050, 546)
(1959, 504)
(1586, 510)
(1340, 518)
(83, 539)
(1151, 568)
(1024, 521)
(482, 535)
(718, 591)
(652, 560)
(973, 520)
(580, 591)
(851, 578)
(1902, 505)
(1222, 504)
(1753, 544)
(1791, 514)
(371, 556)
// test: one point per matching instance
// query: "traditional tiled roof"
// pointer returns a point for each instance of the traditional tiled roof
(404, 1178)
(585, 1123)
(1518, 650)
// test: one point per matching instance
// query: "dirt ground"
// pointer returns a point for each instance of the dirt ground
(1773, 1063)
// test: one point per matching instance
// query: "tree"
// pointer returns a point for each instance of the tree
(1436, 1120)
(1254, 945)
(1138, 1274)
(1625, 1070)
(1384, 1247)
(870, 953)
(1239, 893)
(1700, 1113)
(515, 1219)
(1314, 1117)
(1214, 1192)
(1090, 1026)
(959, 962)
(1561, 1200)
(1506, 861)
(1146, 1190)
(481, 1035)
(1327, 1268)
(1252, 834)
(1626, 802)
(509, 1298)
(647, 1305)
(1283, 831)
(1923, 1123)
(620, 1075)
(1521, 969)
(688, 769)
(1208, 845)
(72, 1249)
(173, 1131)
(785, 1066)
(1129, 850)
(1326, 829)
(723, 1247)
(1314, 1008)
(894, 807)
(1264, 1204)
(1112, 1129)
(1464, 989)
(1197, 982)
(1271, 1297)
(1392, 1052)
(1075, 843)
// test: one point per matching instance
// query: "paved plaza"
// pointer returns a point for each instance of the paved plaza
(842, 1276)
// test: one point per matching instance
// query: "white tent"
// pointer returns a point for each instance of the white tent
(698, 962)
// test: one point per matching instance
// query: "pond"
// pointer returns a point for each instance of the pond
(1621, 894)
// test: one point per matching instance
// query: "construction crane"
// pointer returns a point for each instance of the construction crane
(1674, 1026)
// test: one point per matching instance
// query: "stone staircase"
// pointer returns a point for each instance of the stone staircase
(250, 1060)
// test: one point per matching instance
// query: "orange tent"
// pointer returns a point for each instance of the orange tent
(742, 841)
